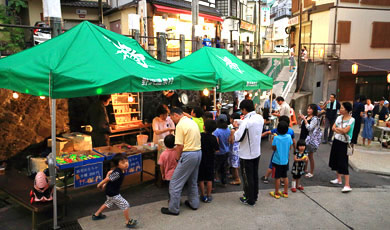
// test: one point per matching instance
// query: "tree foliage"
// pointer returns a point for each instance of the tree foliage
(11, 39)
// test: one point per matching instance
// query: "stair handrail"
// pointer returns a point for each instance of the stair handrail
(290, 82)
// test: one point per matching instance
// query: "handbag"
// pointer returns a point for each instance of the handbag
(350, 149)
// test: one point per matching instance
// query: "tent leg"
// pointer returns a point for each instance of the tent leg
(53, 161)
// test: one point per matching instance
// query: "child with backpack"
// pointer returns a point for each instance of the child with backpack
(209, 146)
(112, 184)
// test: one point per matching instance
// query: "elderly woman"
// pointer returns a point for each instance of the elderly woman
(338, 159)
(162, 124)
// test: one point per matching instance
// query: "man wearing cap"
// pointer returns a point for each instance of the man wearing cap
(189, 155)
(249, 135)
(381, 110)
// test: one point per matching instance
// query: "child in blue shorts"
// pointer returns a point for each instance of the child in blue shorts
(275, 132)
(281, 146)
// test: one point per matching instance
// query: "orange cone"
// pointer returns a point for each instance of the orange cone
(293, 118)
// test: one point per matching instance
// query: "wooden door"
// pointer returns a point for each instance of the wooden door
(115, 26)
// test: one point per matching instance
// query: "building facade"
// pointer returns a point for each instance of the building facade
(360, 30)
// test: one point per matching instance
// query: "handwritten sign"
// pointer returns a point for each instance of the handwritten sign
(135, 164)
(88, 175)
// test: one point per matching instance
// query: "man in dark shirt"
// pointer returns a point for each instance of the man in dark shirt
(98, 119)
(332, 108)
(381, 110)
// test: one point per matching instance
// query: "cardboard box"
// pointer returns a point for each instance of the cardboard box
(81, 142)
(62, 145)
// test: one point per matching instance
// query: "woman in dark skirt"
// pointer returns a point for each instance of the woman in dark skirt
(338, 159)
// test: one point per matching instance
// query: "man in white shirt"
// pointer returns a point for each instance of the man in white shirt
(284, 108)
(249, 135)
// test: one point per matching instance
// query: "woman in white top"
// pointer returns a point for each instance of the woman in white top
(162, 124)
(338, 159)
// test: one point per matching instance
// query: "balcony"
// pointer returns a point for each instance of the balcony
(322, 52)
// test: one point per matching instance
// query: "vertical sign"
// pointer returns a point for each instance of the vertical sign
(135, 164)
(265, 16)
(88, 175)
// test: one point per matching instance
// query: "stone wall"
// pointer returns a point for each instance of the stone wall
(26, 121)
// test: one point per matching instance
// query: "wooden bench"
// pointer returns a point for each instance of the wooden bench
(18, 186)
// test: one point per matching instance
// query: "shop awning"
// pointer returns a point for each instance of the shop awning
(89, 60)
(168, 9)
(231, 73)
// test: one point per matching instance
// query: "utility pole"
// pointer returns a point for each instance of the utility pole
(299, 43)
(52, 11)
(195, 19)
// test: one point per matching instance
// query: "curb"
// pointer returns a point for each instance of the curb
(356, 169)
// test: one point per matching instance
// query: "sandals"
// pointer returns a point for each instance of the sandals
(309, 175)
(132, 223)
(276, 196)
(283, 194)
(236, 182)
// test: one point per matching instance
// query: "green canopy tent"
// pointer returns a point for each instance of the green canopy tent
(89, 60)
(232, 74)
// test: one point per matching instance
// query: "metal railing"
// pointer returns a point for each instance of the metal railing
(321, 52)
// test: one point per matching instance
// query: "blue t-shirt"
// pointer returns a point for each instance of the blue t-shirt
(289, 132)
(283, 144)
(223, 137)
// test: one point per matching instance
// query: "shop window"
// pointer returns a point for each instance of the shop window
(380, 35)
(295, 6)
(376, 2)
(343, 31)
(233, 8)
(350, 1)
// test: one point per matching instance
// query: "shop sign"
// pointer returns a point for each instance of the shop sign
(79, 11)
(129, 53)
(88, 175)
(157, 82)
(265, 16)
(135, 164)
(293, 21)
(230, 64)
(247, 26)
(134, 21)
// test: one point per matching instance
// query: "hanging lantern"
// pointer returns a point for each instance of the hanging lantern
(256, 94)
(15, 95)
(250, 95)
(388, 77)
(206, 92)
(321, 53)
(355, 68)
(42, 97)
(245, 93)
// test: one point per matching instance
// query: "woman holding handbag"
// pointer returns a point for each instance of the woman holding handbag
(311, 134)
(338, 159)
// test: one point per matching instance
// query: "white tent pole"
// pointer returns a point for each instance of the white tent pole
(53, 161)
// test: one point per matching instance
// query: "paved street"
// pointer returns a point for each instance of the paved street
(368, 190)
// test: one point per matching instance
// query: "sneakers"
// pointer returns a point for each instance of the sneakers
(209, 199)
(167, 212)
(309, 175)
(346, 189)
(132, 223)
(204, 199)
(300, 187)
(335, 181)
(276, 196)
(99, 217)
(244, 200)
(265, 180)
(293, 190)
(283, 194)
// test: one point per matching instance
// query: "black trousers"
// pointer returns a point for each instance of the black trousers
(356, 131)
(250, 176)
(220, 166)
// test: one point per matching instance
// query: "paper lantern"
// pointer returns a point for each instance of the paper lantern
(42, 97)
(355, 68)
(388, 77)
(206, 92)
